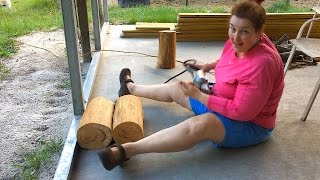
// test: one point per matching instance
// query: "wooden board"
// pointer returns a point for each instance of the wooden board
(138, 35)
(155, 26)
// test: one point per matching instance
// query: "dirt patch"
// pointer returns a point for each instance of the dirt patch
(36, 101)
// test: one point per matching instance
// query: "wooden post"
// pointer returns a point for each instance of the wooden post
(167, 50)
(94, 130)
(101, 15)
(127, 120)
(84, 30)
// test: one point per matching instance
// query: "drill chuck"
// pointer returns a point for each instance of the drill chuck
(199, 79)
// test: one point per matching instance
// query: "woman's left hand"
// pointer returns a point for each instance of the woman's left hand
(189, 89)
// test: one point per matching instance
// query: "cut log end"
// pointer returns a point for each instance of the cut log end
(127, 132)
(94, 136)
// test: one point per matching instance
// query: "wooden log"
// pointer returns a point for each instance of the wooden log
(94, 130)
(167, 50)
(127, 120)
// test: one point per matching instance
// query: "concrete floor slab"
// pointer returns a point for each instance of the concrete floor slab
(292, 152)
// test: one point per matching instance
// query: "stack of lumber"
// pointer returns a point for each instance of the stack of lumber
(202, 26)
(214, 26)
(146, 30)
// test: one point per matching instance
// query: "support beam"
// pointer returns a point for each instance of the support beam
(106, 11)
(84, 30)
(96, 24)
(71, 38)
(101, 14)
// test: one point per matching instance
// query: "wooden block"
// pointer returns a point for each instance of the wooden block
(127, 120)
(167, 50)
(94, 130)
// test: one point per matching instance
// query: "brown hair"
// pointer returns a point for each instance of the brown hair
(251, 10)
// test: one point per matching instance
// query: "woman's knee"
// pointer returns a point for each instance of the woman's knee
(208, 127)
(178, 96)
(175, 90)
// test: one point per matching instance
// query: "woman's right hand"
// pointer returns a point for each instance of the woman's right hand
(204, 67)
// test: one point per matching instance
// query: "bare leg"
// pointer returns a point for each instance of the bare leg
(161, 92)
(179, 137)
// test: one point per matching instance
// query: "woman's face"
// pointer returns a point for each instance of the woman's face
(242, 34)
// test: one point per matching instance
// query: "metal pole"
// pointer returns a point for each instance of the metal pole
(96, 24)
(69, 22)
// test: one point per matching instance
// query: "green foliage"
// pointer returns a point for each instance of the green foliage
(217, 9)
(3, 71)
(38, 157)
(7, 45)
(27, 16)
(65, 84)
(284, 6)
(168, 14)
(161, 14)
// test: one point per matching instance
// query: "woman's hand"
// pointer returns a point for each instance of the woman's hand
(190, 89)
(204, 67)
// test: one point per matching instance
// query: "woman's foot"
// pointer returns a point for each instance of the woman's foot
(112, 156)
(124, 77)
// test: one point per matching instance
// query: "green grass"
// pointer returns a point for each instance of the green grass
(3, 71)
(161, 14)
(27, 16)
(65, 84)
(284, 6)
(35, 159)
(168, 14)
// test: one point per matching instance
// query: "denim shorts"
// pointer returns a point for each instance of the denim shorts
(237, 133)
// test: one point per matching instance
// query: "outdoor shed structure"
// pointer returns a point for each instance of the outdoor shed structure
(284, 156)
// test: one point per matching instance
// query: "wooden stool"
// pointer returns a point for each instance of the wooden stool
(167, 50)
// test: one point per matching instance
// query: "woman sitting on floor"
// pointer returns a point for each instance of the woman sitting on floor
(240, 112)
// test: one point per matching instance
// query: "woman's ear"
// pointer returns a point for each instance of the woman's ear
(260, 32)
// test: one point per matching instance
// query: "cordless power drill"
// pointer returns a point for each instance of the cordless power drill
(199, 78)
